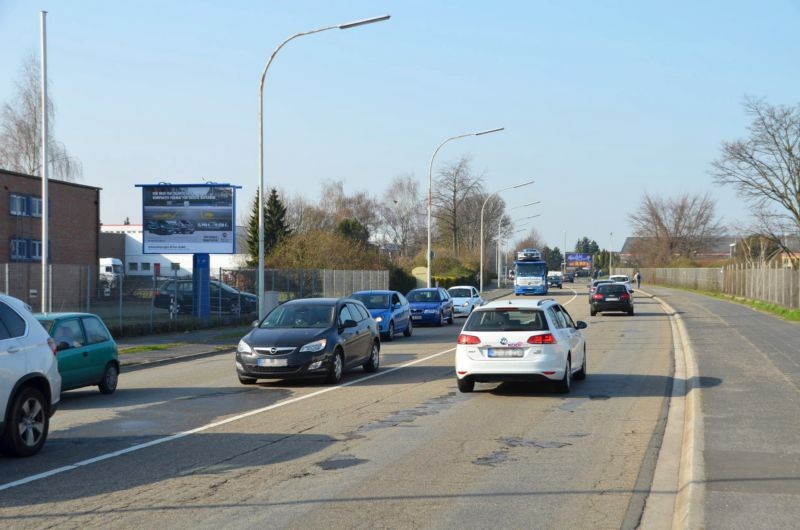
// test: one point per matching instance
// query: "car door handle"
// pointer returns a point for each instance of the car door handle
(13, 349)
(86, 354)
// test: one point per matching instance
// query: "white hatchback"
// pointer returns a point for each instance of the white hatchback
(520, 340)
(30, 385)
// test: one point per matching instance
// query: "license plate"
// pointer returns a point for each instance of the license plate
(272, 362)
(416, 317)
(504, 352)
(612, 299)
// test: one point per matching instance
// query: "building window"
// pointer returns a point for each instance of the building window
(18, 204)
(19, 250)
(145, 266)
(36, 207)
(133, 267)
(35, 248)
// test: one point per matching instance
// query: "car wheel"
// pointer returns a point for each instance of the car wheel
(26, 430)
(564, 385)
(108, 384)
(246, 380)
(592, 312)
(441, 320)
(581, 374)
(450, 318)
(390, 334)
(466, 385)
(234, 308)
(630, 312)
(374, 358)
(335, 369)
(409, 329)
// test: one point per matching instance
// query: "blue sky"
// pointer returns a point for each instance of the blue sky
(601, 101)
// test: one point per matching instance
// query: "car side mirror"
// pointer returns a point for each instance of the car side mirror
(348, 324)
(580, 324)
(254, 323)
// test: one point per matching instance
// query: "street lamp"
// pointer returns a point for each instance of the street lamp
(480, 256)
(499, 226)
(260, 273)
(430, 186)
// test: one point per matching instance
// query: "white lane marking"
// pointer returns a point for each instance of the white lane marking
(574, 295)
(151, 443)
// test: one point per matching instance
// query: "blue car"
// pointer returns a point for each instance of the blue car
(432, 305)
(390, 310)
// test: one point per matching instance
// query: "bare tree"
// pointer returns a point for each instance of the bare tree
(454, 185)
(765, 168)
(533, 239)
(402, 213)
(674, 228)
(21, 131)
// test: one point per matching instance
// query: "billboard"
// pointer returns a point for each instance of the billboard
(578, 259)
(188, 218)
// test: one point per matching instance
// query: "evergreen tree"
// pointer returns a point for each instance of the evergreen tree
(275, 226)
(252, 234)
(356, 232)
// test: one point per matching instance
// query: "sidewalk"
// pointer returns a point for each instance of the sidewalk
(152, 350)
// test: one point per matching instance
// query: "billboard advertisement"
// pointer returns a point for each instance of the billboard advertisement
(578, 259)
(188, 219)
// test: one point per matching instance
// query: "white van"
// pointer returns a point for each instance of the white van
(111, 271)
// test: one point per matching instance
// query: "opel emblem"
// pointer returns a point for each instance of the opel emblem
(273, 350)
(504, 341)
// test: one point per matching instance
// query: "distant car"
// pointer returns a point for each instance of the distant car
(622, 278)
(581, 273)
(310, 337)
(465, 299)
(222, 298)
(555, 279)
(611, 297)
(87, 355)
(160, 227)
(529, 254)
(391, 311)
(569, 276)
(520, 340)
(430, 305)
(30, 385)
(593, 287)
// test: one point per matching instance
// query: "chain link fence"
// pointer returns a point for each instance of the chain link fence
(766, 283)
(136, 305)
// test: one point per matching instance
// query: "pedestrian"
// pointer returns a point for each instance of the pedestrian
(638, 278)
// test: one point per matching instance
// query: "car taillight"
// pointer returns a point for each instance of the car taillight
(624, 296)
(597, 297)
(52, 344)
(468, 339)
(547, 338)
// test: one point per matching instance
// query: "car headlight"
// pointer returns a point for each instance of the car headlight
(243, 347)
(378, 319)
(317, 345)
(431, 311)
(465, 304)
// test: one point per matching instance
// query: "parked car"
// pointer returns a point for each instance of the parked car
(160, 227)
(555, 279)
(465, 299)
(310, 337)
(391, 311)
(520, 340)
(430, 305)
(87, 355)
(222, 298)
(30, 386)
(611, 297)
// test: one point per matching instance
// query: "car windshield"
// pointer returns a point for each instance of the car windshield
(299, 316)
(373, 301)
(423, 296)
(460, 293)
(506, 320)
(611, 288)
(530, 269)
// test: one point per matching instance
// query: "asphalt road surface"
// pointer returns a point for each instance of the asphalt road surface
(397, 449)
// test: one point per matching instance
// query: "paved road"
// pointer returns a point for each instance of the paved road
(401, 448)
(749, 365)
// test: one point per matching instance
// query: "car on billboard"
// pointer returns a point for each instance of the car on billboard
(160, 227)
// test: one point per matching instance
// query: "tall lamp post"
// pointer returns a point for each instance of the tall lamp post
(480, 256)
(499, 227)
(430, 186)
(260, 273)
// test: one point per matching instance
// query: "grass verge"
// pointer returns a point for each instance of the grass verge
(150, 347)
(792, 315)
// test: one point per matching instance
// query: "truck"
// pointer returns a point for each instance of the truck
(530, 273)
(110, 272)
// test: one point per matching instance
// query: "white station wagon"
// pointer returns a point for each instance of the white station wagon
(520, 340)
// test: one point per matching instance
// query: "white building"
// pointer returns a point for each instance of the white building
(139, 264)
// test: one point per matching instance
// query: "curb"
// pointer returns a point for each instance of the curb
(141, 365)
(677, 492)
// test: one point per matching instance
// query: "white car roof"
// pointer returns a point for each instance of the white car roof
(536, 303)
(461, 287)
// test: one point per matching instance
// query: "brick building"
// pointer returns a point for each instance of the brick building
(74, 222)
